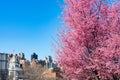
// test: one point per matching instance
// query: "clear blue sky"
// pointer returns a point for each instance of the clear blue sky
(28, 25)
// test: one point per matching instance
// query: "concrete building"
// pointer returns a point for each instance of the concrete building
(49, 62)
(3, 66)
(14, 68)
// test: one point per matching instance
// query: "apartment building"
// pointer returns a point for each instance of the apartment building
(3, 66)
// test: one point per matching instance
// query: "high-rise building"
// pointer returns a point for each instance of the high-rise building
(34, 56)
(3, 66)
(14, 68)
(49, 62)
(22, 56)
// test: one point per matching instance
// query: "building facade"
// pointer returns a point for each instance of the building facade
(3, 66)
(49, 62)
(34, 56)
(21, 56)
(14, 68)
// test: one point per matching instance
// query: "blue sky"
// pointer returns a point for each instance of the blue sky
(28, 26)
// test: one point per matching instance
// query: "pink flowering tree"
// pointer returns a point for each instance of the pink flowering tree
(89, 45)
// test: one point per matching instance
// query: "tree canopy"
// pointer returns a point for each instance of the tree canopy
(89, 46)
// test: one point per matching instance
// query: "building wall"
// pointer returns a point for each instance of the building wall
(3, 65)
(14, 68)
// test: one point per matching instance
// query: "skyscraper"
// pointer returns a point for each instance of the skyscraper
(34, 56)
(49, 62)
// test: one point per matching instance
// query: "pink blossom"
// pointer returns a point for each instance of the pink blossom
(90, 45)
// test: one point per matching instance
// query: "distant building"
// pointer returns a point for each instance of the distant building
(49, 62)
(42, 62)
(14, 68)
(3, 66)
(24, 63)
(34, 56)
(54, 65)
(21, 56)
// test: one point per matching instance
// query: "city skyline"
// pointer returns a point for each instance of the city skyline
(28, 26)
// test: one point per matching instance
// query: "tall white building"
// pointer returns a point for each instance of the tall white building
(14, 68)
